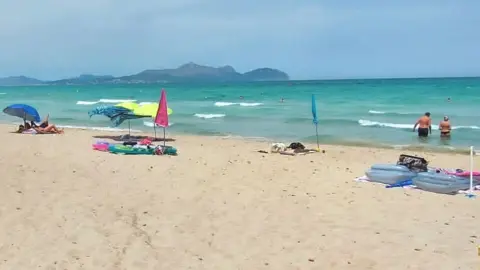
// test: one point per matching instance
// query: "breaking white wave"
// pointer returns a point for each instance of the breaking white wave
(209, 116)
(145, 103)
(393, 113)
(81, 102)
(376, 112)
(368, 123)
(253, 104)
(99, 128)
(150, 124)
(223, 104)
(104, 100)
(243, 104)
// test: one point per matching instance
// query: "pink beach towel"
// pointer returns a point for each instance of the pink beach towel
(101, 146)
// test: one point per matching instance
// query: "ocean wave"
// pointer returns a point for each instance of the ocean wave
(104, 100)
(368, 123)
(145, 103)
(394, 113)
(81, 102)
(209, 116)
(3, 93)
(150, 124)
(99, 128)
(223, 104)
(243, 104)
(376, 112)
(252, 104)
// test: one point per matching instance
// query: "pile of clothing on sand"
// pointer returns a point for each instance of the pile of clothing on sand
(291, 150)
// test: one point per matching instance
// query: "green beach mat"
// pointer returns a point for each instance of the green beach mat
(129, 150)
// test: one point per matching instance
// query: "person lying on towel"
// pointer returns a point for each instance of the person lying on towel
(49, 129)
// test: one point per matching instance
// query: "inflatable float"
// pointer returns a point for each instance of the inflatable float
(390, 167)
(389, 173)
(441, 182)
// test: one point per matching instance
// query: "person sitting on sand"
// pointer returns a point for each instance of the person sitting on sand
(20, 129)
(27, 128)
(43, 124)
(424, 125)
(445, 127)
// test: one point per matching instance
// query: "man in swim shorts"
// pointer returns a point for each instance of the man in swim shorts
(445, 127)
(424, 125)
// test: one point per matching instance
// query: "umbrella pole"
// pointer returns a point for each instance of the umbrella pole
(316, 131)
(155, 130)
(164, 137)
(129, 128)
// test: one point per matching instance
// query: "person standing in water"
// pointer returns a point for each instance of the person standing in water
(424, 125)
(445, 127)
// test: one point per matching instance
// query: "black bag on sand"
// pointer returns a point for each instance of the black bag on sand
(416, 164)
(296, 145)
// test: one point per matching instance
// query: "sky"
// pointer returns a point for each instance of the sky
(308, 39)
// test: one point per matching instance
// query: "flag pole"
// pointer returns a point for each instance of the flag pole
(315, 120)
(470, 192)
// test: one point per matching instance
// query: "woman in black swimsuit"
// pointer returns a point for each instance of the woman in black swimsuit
(43, 124)
(445, 127)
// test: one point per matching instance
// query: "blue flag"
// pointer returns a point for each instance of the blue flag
(314, 110)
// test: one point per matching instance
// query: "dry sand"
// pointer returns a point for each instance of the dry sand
(221, 205)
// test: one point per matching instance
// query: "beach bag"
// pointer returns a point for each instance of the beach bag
(296, 145)
(416, 164)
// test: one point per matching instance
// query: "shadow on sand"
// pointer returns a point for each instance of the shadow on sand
(131, 138)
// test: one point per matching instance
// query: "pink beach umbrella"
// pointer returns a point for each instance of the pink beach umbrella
(162, 114)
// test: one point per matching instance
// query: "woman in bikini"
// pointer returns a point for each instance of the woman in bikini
(445, 127)
(46, 128)
(43, 124)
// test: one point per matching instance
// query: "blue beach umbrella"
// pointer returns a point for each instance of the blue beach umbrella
(26, 112)
(116, 114)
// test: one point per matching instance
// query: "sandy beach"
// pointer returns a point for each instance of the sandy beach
(220, 204)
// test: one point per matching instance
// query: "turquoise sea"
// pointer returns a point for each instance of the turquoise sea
(377, 112)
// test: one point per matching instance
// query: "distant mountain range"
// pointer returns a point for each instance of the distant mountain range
(190, 72)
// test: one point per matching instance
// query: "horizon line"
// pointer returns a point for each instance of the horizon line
(291, 80)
